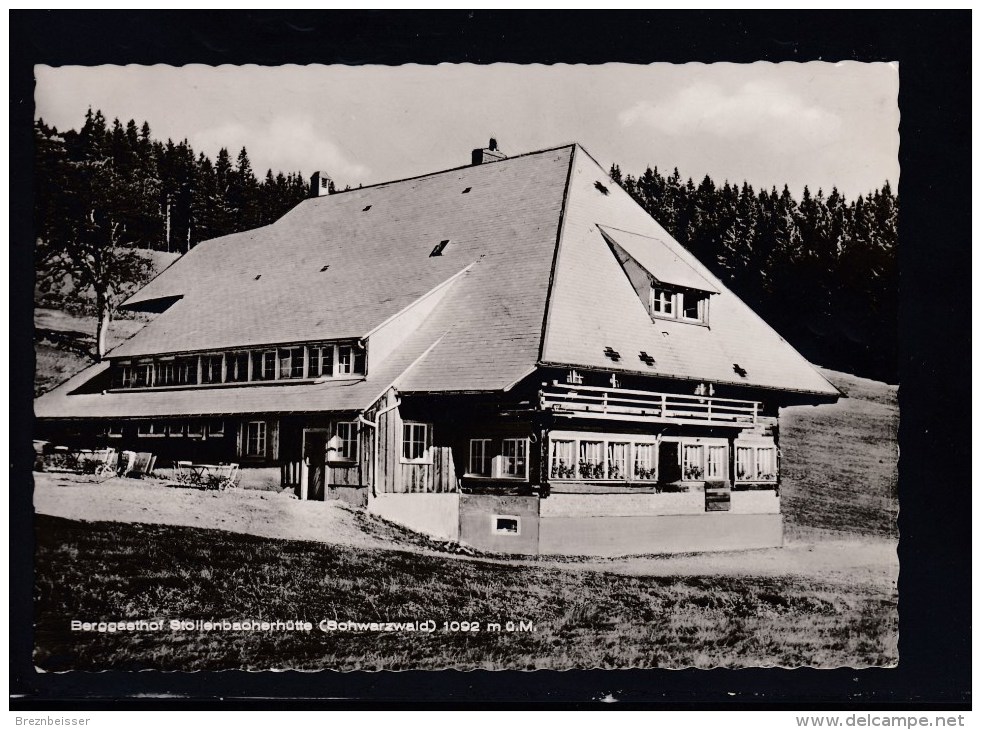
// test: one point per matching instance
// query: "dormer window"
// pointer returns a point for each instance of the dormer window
(687, 305)
(662, 301)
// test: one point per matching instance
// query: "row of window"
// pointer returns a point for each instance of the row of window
(684, 304)
(346, 433)
(196, 429)
(614, 460)
(284, 363)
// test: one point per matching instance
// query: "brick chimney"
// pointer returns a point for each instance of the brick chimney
(320, 184)
(490, 153)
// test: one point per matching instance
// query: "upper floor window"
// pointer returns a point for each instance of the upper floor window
(237, 367)
(142, 375)
(166, 373)
(688, 305)
(662, 301)
(321, 361)
(211, 367)
(264, 365)
(350, 360)
(296, 362)
(291, 362)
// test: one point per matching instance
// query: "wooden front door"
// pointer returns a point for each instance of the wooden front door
(315, 455)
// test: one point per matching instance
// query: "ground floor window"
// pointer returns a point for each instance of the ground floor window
(255, 438)
(480, 458)
(347, 433)
(766, 464)
(619, 457)
(563, 459)
(645, 462)
(715, 464)
(691, 461)
(415, 442)
(756, 463)
(616, 459)
(591, 461)
(515, 458)
(149, 429)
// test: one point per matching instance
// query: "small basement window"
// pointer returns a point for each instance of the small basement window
(438, 250)
(505, 524)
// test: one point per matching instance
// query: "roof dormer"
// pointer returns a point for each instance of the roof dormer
(669, 287)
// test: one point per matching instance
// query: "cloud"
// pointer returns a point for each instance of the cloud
(755, 109)
(285, 143)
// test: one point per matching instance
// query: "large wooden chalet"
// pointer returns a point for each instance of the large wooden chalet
(512, 354)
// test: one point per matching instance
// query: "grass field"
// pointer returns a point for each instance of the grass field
(840, 462)
(581, 618)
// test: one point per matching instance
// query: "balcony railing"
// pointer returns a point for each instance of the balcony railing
(583, 401)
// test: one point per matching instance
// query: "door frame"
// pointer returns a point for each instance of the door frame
(304, 469)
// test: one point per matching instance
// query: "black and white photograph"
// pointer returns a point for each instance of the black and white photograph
(458, 366)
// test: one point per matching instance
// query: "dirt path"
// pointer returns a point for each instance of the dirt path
(278, 515)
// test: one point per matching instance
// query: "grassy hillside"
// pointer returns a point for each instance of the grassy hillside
(840, 462)
(578, 618)
(65, 326)
(64, 344)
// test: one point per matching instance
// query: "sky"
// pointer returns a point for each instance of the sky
(816, 124)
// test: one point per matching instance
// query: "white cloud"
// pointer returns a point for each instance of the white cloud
(285, 143)
(756, 109)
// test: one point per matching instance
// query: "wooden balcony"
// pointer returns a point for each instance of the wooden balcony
(618, 404)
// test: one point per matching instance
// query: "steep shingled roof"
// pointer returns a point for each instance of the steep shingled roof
(593, 305)
(378, 259)
(530, 234)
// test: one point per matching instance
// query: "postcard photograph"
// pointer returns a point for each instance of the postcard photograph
(466, 367)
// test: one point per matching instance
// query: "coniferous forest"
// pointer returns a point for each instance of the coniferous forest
(821, 270)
